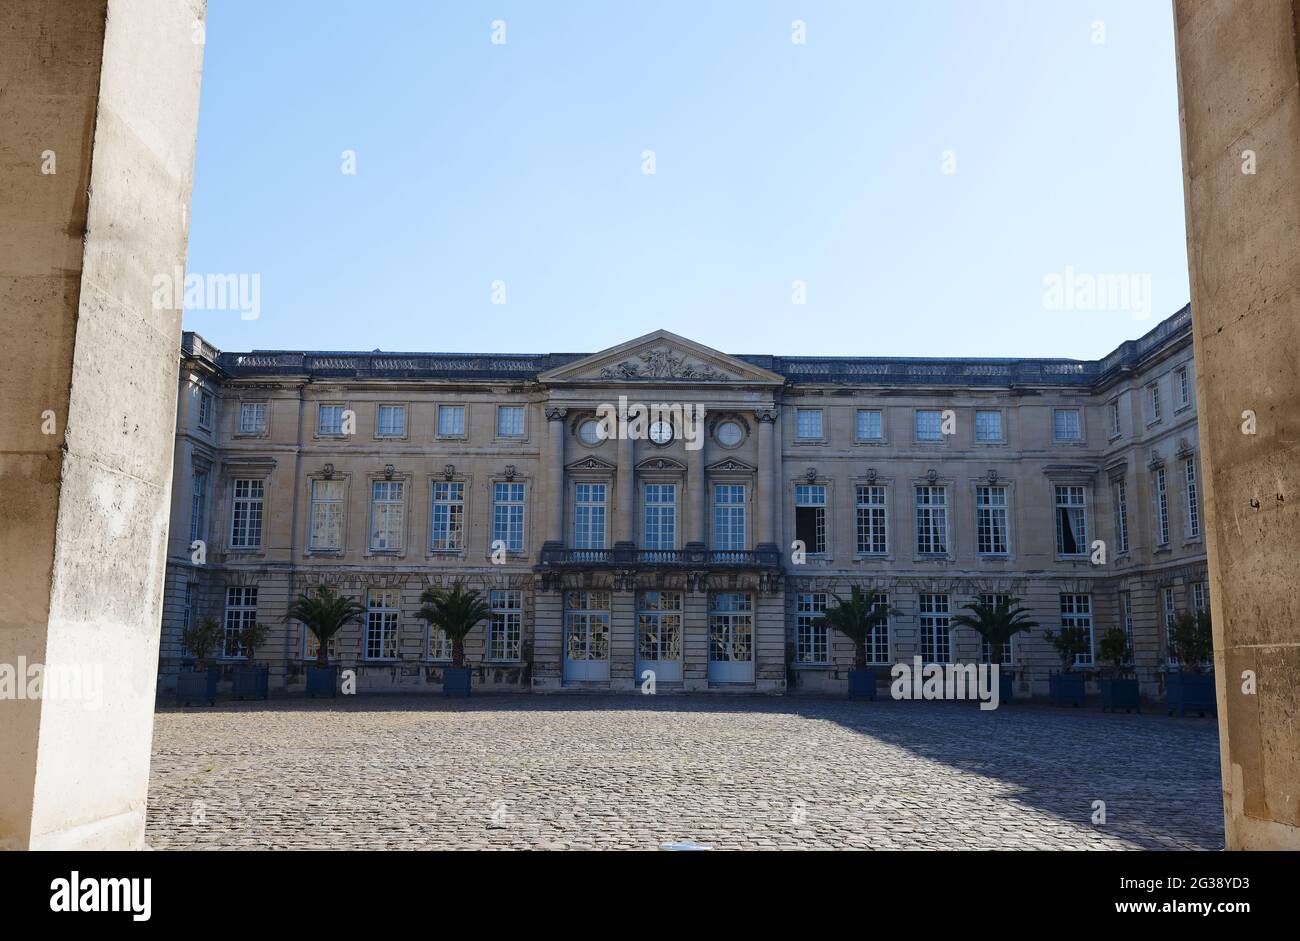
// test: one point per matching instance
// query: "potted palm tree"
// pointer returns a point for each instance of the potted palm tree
(997, 624)
(199, 684)
(456, 611)
(250, 679)
(857, 618)
(1190, 688)
(325, 614)
(1117, 690)
(1067, 687)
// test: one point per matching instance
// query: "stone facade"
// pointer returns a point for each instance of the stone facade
(928, 481)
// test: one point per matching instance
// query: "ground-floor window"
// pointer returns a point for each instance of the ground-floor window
(731, 627)
(878, 645)
(1169, 612)
(505, 630)
(241, 612)
(439, 644)
(381, 624)
(936, 633)
(812, 644)
(659, 625)
(1076, 611)
(986, 649)
(586, 625)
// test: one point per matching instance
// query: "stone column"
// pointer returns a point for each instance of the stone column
(696, 504)
(1240, 117)
(764, 499)
(101, 102)
(625, 484)
(555, 433)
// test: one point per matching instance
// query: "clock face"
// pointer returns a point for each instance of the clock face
(661, 432)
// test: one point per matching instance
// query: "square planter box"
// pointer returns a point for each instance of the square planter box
(862, 684)
(192, 686)
(1067, 689)
(1190, 692)
(1119, 693)
(252, 682)
(322, 681)
(455, 681)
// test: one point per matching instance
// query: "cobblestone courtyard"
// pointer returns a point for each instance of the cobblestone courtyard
(631, 772)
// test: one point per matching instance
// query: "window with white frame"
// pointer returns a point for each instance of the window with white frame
(241, 612)
(870, 426)
(812, 640)
(392, 421)
(931, 520)
(187, 613)
(1193, 508)
(808, 423)
(246, 513)
(1153, 403)
(660, 508)
(451, 421)
(329, 419)
(387, 514)
(199, 506)
(510, 421)
(1169, 613)
(659, 625)
(252, 418)
(207, 406)
(810, 516)
(729, 516)
(873, 520)
(440, 646)
(1183, 386)
(382, 613)
(988, 425)
(310, 646)
(506, 626)
(1161, 506)
(326, 515)
(586, 625)
(1076, 611)
(589, 516)
(1066, 425)
(1126, 619)
(447, 516)
(929, 424)
(992, 520)
(936, 628)
(1114, 419)
(508, 515)
(1200, 597)
(1120, 493)
(986, 649)
(878, 642)
(1071, 520)
(731, 627)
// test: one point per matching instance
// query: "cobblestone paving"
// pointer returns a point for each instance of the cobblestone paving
(561, 772)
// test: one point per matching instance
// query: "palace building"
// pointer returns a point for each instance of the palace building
(702, 552)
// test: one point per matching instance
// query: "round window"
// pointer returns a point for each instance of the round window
(589, 432)
(729, 433)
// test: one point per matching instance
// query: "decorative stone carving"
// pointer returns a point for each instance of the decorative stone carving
(448, 471)
(765, 415)
(329, 472)
(810, 474)
(510, 472)
(389, 471)
(555, 414)
(662, 363)
(932, 475)
(872, 474)
(991, 476)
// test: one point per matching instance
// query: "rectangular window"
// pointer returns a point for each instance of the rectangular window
(729, 516)
(731, 627)
(808, 423)
(252, 418)
(199, 506)
(1200, 597)
(659, 626)
(1066, 425)
(246, 514)
(1161, 508)
(439, 644)
(187, 612)
(508, 515)
(206, 409)
(878, 644)
(810, 516)
(589, 516)
(1193, 509)
(326, 515)
(1153, 403)
(447, 519)
(510, 421)
(1076, 611)
(986, 649)
(1169, 612)
(936, 637)
(1121, 516)
(1184, 387)
(392, 421)
(586, 625)
(1071, 521)
(329, 419)
(929, 424)
(869, 426)
(451, 421)
(660, 508)
(387, 514)
(812, 643)
(241, 612)
(1126, 618)
(505, 629)
(1114, 419)
(988, 425)
(382, 610)
(931, 520)
(873, 533)
(310, 645)
(992, 522)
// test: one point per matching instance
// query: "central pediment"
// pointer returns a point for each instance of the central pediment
(660, 357)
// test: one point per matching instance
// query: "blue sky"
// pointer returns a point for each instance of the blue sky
(775, 162)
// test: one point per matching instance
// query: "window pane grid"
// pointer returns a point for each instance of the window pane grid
(991, 520)
(246, 515)
(447, 522)
(508, 515)
(936, 637)
(505, 629)
(381, 624)
(873, 537)
(931, 520)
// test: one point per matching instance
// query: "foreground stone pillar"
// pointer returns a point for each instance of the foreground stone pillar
(555, 477)
(100, 110)
(1240, 114)
(696, 502)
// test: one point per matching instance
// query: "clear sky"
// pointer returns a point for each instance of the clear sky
(822, 162)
